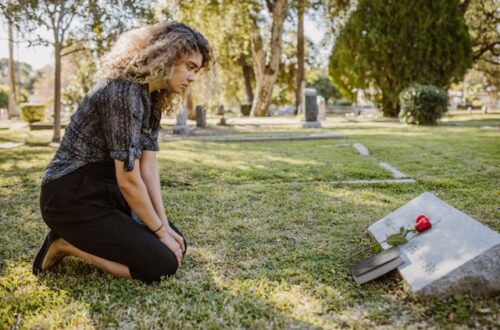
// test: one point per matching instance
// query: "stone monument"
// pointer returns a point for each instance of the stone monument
(321, 108)
(220, 110)
(181, 126)
(311, 113)
(201, 116)
(458, 254)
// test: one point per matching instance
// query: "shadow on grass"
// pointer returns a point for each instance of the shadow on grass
(495, 122)
(263, 255)
(197, 298)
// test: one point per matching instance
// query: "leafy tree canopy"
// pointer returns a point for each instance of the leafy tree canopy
(388, 45)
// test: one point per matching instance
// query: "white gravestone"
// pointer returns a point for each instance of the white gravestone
(458, 254)
(321, 108)
(181, 126)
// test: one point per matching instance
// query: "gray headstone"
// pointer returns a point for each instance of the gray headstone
(311, 104)
(181, 118)
(220, 110)
(201, 116)
(181, 126)
(458, 254)
(321, 108)
(311, 111)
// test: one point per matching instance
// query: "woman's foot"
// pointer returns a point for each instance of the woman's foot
(50, 254)
(54, 254)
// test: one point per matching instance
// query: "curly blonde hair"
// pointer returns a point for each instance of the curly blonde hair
(145, 54)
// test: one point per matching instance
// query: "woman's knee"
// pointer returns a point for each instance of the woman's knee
(163, 265)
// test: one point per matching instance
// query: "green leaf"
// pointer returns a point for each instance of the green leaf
(396, 240)
(376, 248)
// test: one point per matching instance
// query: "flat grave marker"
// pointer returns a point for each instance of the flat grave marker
(458, 254)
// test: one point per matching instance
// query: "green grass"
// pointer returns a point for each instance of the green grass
(263, 253)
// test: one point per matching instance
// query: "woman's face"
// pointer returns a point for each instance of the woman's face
(184, 73)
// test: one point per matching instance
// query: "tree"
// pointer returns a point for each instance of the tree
(230, 43)
(483, 18)
(4, 97)
(26, 75)
(300, 56)
(58, 17)
(325, 88)
(266, 61)
(388, 45)
(13, 112)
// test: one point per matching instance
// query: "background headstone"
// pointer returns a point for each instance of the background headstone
(220, 110)
(321, 108)
(311, 105)
(311, 109)
(201, 116)
(181, 126)
(458, 254)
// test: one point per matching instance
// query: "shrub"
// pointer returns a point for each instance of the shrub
(32, 112)
(4, 97)
(246, 108)
(422, 104)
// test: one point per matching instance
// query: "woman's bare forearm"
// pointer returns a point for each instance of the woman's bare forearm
(136, 194)
(151, 178)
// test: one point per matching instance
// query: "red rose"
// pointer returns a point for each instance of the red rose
(423, 223)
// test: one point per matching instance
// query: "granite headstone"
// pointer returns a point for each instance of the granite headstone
(321, 108)
(311, 113)
(201, 116)
(181, 126)
(458, 254)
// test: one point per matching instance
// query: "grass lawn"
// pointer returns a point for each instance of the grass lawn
(263, 253)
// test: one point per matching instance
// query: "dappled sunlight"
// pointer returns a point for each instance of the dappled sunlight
(294, 301)
(29, 303)
(361, 196)
(250, 162)
(292, 161)
(268, 234)
(18, 166)
(228, 156)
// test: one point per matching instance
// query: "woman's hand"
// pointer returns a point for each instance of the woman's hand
(172, 245)
(177, 237)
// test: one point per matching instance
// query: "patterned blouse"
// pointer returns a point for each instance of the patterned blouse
(115, 120)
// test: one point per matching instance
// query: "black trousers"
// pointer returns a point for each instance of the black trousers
(87, 209)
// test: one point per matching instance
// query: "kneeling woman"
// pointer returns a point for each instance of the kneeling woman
(100, 194)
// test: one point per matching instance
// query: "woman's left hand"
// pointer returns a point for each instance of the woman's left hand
(177, 237)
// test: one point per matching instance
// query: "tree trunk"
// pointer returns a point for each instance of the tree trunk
(265, 73)
(389, 108)
(57, 94)
(247, 78)
(264, 90)
(300, 58)
(12, 76)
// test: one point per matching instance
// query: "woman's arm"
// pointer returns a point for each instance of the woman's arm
(136, 194)
(151, 177)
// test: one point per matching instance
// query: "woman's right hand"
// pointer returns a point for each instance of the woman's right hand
(172, 245)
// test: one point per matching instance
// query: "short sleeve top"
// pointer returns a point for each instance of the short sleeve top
(115, 120)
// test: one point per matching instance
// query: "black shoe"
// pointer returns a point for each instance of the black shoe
(37, 263)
